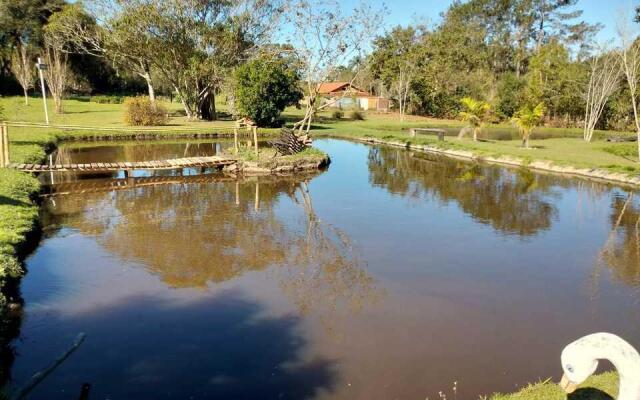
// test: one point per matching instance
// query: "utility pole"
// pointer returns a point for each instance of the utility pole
(41, 67)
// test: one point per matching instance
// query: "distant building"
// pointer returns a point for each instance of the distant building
(346, 95)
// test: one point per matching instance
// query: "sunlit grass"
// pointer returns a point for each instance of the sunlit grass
(599, 387)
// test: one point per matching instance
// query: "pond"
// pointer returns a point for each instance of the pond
(392, 275)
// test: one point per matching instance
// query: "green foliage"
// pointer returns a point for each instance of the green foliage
(510, 95)
(102, 99)
(474, 112)
(599, 387)
(528, 118)
(337, 114)
(264, 87)
(140, 111)
(18, 216)
(356, 115)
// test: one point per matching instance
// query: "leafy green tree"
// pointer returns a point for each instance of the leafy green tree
(113, 40)
(557, 81)
(395, 60)
(526, 119)
(264, 87)
(474, 114)
(22, 21)
(510, 95)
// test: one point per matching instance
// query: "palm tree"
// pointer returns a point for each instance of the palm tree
(475, 114)
(526, 119)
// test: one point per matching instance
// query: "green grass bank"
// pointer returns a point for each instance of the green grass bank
(598, 387)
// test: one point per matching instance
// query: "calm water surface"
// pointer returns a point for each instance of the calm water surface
(390, 276)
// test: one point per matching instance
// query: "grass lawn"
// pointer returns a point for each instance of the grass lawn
(599, 387)
(28, 144)
(18, 216)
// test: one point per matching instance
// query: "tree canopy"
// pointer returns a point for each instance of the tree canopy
(264, 87)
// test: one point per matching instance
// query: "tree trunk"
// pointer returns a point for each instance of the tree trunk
(26, 96)
(152, 92)
(475, 134)
(207, 106)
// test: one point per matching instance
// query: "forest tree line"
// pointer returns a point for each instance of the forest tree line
(511, 54)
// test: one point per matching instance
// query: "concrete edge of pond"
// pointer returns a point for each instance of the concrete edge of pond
(537, 165)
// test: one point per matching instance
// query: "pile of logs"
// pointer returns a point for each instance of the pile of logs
(288, 143)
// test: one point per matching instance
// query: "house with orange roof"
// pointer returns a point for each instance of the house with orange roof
(346, 95)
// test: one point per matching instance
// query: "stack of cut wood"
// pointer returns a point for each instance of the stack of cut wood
(289, 143)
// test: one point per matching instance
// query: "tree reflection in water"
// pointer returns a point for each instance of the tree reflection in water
(512, 203)
(325, 273)
(621, 252)
(192, 235)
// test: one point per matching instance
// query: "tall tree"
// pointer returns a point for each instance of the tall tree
(57, 73)
(22, 68)
(630, 61)
(604, 78)
(325, 37)
(193, 44)
(264, 87)
(115, 38)
(395, 60)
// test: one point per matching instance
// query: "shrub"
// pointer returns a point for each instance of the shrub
(356, 115)
(337, 114)
(107, 99)
(139, 111)
(264, 87)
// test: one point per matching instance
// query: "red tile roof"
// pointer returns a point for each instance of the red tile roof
(335, 87)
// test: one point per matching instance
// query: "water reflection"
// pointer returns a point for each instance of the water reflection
(518, 204)
(621, 252)
(391, 275)
(210, 230)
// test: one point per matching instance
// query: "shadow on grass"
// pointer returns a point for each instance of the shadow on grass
(589, 394)
(12, 202)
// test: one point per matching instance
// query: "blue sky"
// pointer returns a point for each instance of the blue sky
(405, 11)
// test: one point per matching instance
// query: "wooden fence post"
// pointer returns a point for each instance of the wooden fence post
(255, 138)
(4, 145)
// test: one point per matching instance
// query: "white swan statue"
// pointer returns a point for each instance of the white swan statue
(580, 361)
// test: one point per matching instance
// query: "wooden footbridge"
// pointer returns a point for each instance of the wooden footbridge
(177, 163)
